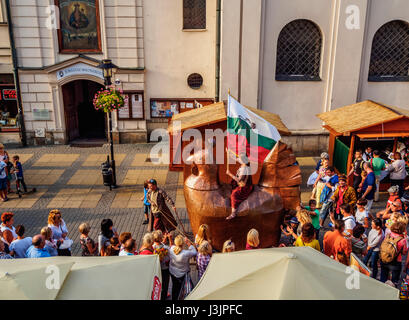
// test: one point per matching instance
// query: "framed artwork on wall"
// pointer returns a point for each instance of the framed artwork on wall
(80, 30)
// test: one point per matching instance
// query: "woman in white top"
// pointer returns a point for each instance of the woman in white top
(59, 230)
(179, 263)
(7, 229)
(398, 173)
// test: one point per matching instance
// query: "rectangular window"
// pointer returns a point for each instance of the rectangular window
(194, 14)
(133, 108)
(166, 108)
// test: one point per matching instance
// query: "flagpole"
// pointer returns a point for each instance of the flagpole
(227, 147)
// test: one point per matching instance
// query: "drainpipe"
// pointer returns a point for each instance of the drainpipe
(20, 116)
(218, 51)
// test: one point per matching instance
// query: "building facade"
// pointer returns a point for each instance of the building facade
(300, 58)
(9, 129)
(164, 51)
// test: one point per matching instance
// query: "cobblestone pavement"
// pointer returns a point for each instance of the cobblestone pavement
(69, 179)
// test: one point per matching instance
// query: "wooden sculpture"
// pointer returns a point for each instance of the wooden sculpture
(208, 202)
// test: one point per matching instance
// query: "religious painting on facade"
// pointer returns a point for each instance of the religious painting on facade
(79, 26)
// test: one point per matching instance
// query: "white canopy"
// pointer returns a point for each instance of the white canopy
(92, 278)
(285, 273)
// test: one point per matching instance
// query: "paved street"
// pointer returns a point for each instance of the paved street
(70, 179)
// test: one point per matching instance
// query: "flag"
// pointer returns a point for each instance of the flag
(249, 133)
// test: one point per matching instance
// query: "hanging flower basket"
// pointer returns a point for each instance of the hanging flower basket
(109, 100)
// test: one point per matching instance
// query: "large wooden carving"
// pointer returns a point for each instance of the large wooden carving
(208, 201)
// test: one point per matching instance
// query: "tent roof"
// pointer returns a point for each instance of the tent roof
(218, 112)
(361, 115)
(81, 278)
(284, 273)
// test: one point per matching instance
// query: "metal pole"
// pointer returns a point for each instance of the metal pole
(111, 145)
(111, 140)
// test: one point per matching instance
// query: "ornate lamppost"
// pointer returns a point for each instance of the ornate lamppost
(107, 66)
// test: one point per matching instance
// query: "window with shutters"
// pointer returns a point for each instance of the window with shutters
(194, 14)
(390, 53)
(299, 52)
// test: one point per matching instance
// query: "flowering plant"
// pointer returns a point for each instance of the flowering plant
(109, 99)
(162, 252)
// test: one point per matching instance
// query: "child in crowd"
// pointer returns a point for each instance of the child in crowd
(88, 246)
(228, 246)
(315, 216)
(253, 241)
(147, 243)
(393, 219)
(50, 243)
(203, 257)
(129, 248)
(307, 237)
(19, 171)
(303, 217)
(162, 251)
(290, 233)
(123, 237)
(362, 215)
(146, 204)
(113, 247)
(358, 241)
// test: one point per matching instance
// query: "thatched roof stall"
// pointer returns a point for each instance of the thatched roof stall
(216, 113)
(363, 121)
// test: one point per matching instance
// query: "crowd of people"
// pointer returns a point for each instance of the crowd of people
(378, 239)
(176, 253)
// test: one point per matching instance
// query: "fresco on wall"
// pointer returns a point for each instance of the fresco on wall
(79, 26)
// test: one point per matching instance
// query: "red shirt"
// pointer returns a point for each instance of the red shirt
(145, 251)
(249, 247)
(392, 199)
(335, 242)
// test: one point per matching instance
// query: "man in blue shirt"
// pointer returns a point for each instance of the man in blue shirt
(369, 187)
(37, 249)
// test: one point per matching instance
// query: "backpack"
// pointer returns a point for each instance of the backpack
(389, 249)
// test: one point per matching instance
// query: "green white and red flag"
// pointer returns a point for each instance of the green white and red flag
(248, 133)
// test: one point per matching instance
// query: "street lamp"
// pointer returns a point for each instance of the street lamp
(107, 66)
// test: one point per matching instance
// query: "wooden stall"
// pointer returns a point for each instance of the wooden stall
(210, 117)
(366, 123)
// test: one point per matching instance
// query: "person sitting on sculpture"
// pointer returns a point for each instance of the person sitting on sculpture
(242, 184)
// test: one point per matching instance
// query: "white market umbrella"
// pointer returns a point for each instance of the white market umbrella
(295, 273)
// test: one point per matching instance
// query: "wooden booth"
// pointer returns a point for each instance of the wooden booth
(360, 125)
(211, 117)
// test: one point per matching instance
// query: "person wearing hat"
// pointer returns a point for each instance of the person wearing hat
(161, 218)
(393, 196)
(290, 232)
(343, 194)
(395, 207)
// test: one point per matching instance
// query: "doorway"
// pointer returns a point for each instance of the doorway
(82, 121)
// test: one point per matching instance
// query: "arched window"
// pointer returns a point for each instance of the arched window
(299, 52)
(390, 53)
(194, 14)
